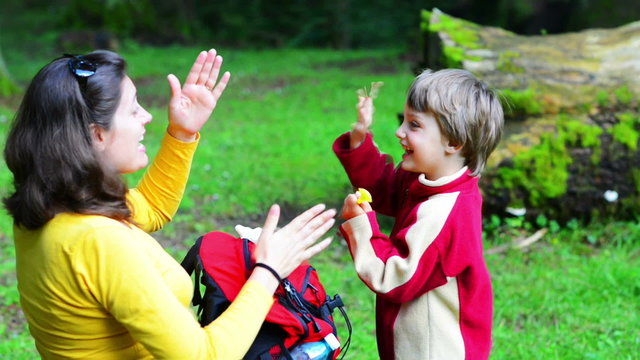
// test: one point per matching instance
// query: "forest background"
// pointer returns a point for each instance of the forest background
(296, 66)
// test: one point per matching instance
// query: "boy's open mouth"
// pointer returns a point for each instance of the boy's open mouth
(407, 149)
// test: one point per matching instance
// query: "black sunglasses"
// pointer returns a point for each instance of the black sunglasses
(81, 68)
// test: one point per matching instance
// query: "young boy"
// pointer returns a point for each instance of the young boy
(434, 298)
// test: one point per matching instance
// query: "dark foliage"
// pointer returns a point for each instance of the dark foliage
(320, 23)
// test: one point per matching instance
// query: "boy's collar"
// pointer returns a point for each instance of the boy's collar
(443, 180)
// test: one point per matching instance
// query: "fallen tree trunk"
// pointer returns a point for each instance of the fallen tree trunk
(571, 147)
(560, 72)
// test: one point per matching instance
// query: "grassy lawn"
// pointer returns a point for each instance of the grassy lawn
(572, 295)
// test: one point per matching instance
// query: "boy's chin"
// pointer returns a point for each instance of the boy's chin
(408, 167)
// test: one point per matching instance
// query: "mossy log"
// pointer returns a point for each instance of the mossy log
(567, 167)
(562, 72)
(571, 143)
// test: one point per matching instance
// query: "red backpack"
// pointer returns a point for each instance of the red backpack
(301, 313)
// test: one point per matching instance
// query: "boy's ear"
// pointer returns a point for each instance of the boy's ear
(453, 148)
(98, 137)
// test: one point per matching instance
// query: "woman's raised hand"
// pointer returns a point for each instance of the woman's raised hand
(285, 249)
(191, 106)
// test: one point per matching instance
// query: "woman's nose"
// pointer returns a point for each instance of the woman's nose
(147, 117)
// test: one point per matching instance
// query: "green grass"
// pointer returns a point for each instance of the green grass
(558, 303)
(270, 138)
(573, 295)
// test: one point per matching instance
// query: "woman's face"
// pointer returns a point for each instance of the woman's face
(120, 147)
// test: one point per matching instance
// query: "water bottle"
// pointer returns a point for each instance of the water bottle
(319, 350)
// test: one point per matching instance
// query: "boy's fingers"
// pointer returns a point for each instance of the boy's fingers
(351, 200)
(366, 206)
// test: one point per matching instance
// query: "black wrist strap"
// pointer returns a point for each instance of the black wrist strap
(271, 270)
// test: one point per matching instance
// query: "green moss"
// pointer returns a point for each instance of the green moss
(635, 175)
(602, 98)
(578, 134)
(624, 96)
(542, 171)
(625, 131)
(453, 56)
(521, 102)
(425, 17)
(461, 32)
(505, 62)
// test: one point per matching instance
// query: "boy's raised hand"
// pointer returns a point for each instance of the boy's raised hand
(351, 208)
(365, 119)
(192, 104)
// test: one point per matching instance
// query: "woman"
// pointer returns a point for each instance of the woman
(92, 282)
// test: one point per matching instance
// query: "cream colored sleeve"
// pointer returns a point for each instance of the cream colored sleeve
(155, 200)
(119, 273)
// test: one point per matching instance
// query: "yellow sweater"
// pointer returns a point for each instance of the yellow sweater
(95, 288)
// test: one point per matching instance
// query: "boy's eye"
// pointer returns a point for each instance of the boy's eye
(414, 124)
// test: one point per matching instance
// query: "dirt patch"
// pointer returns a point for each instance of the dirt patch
(256, 86)
(184, 234)
(13, 317)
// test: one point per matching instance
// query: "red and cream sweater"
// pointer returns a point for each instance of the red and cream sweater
(434, 297)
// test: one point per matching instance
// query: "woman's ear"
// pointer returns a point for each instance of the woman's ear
(98, 137)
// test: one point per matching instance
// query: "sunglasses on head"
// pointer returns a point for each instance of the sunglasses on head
(81, 68)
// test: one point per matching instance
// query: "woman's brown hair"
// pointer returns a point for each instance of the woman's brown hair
(49, 147)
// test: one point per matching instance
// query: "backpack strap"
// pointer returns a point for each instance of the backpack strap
(191, 263)
(327, 309)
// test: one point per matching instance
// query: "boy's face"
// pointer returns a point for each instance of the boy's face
(427, 151)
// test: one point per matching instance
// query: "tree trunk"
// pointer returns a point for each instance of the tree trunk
(571, 142)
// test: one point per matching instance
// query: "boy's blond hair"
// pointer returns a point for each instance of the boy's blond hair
(468, 112)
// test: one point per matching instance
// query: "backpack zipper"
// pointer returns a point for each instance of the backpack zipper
(298, 304)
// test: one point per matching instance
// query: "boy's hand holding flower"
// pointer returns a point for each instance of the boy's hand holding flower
(351, 208)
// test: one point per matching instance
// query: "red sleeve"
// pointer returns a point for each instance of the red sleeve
(396, 276)
(368, 168)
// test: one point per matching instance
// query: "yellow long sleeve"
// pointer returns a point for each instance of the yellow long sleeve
(155, 200)
(95, 288)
